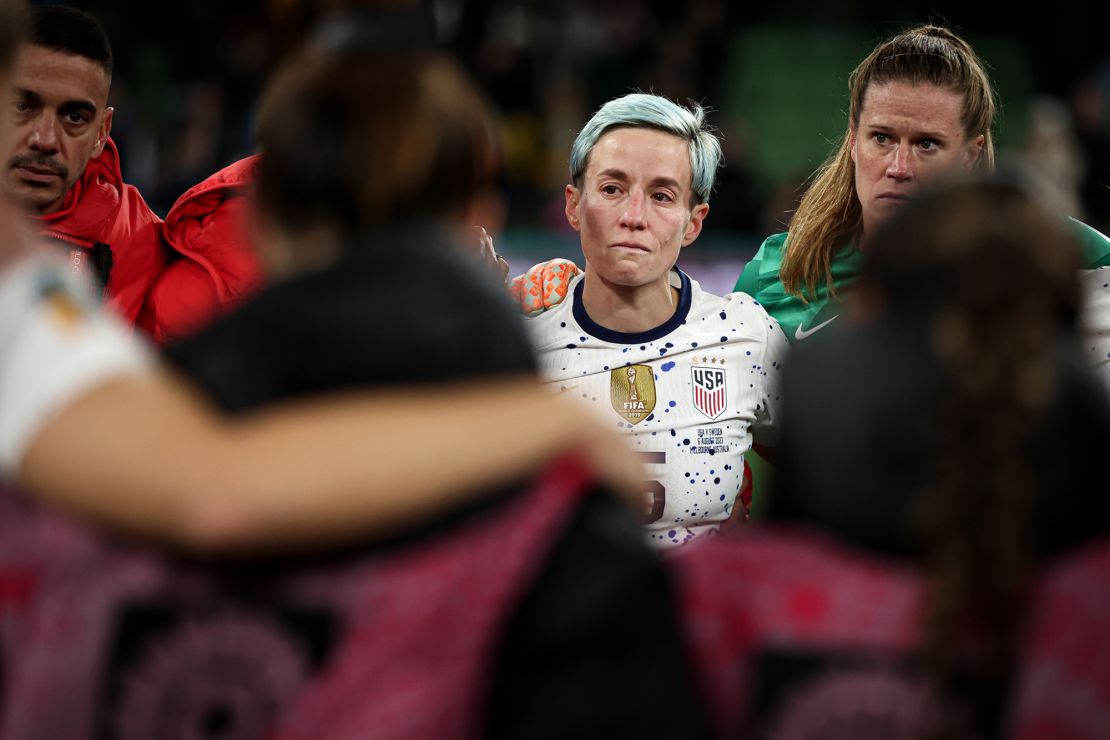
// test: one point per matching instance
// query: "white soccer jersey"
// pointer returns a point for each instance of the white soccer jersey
(1095, 293)
(692, 393)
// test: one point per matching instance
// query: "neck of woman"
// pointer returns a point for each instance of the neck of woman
(629, 308)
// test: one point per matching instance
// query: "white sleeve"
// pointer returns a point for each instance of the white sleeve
(55, 345)
(768, 418)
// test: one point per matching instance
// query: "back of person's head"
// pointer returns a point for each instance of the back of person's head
(70, 31)
(358, 141)
(991, 276)
(985, 251)
(830, 213)
(640, 110)
(928, 430)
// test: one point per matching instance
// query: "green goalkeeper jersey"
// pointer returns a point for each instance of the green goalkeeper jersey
(799, 319)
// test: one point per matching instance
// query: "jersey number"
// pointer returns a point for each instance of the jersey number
(655, 493)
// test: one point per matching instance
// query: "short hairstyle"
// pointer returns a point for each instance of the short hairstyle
(70, 31)
(640, 110)
(360, 140)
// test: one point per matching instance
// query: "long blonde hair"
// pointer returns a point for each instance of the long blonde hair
(830, 214)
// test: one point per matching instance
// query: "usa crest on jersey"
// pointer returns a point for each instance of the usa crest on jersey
(710, 393)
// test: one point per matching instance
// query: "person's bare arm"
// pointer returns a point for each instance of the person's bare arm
(145, 454)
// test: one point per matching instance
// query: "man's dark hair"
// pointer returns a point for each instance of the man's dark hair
(71, 31)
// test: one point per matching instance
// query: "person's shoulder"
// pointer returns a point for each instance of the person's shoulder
(1093, 244)
(742, 302)
(762, 270)
(774, 244)
(736, 314)
(769, 255)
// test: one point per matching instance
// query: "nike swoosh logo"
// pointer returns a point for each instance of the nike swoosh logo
(801, 333)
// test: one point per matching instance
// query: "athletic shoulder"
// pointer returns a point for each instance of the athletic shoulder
(737, 314)
(764, 266)
(774, 244)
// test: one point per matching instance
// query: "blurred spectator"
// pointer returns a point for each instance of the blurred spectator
(1051, 154)
(1090, 108)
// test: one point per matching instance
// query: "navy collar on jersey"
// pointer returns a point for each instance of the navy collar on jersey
(598, 331)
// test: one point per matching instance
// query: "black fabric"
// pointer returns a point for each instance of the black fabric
(408, 308)
(398, 310)
(594, 651)
(855, 414)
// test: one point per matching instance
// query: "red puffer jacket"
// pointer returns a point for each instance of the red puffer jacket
(213, 262)
(105, 221)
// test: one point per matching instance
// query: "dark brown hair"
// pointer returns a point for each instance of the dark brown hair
(70, 31)
(993, 276)
(354, 141)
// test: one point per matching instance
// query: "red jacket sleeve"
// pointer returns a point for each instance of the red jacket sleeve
(213, 261)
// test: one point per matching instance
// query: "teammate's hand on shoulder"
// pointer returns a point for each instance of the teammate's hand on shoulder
(489, 256)
(544, 286)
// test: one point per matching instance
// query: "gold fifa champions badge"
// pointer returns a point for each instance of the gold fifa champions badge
(632, 389)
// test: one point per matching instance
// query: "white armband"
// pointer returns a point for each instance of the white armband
(55, 345)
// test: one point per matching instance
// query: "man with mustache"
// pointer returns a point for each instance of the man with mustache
(62, 167)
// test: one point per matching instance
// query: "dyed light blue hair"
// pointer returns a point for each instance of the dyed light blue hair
(640, 110)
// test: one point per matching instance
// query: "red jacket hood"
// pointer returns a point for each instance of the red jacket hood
(92, 202)
(206, 196)
(207, 226)
(216, 265)
(100, 207)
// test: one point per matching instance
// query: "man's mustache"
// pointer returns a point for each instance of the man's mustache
(39, 162)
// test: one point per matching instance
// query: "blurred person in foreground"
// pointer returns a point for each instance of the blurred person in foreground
(693, 377)
(503, 610)
(92, 423)
(938, 544)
